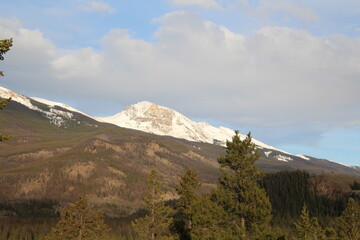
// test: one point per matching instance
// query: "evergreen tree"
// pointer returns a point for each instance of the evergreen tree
(348, 225)
(187, 190)
(200, 218)
(309, 228)
(211, 222)
(156, 225)
(4, 47)
(239, 192)
(79, 221)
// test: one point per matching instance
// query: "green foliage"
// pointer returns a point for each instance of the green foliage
(156, 224)
(211, 222)
(198, 216)
(239, 192)
(4, 47)
(79, 221)
(308, 228)
(348, 225)
(187, 190)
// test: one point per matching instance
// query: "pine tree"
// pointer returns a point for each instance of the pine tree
(211, 222)
(79, 221)
(239, 192)
(309, 228)
(200, 218)
(4, 47)
(187, 190)
(348, 225)
(156, 225)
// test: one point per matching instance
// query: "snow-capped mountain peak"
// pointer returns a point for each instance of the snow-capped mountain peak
(149, 117)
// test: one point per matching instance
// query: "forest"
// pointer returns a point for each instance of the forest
(245, 204)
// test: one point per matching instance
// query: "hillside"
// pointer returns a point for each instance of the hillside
(48, 160)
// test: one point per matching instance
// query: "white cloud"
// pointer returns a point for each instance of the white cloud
(98, 6)
(200, 3)
(274, 77)
(29, 60)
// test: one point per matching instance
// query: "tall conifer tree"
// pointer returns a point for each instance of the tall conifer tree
(200, 217)
(187, 189)
(156, 224)
(238, 191)
(348, 225)
(308, 228)
(79, 221)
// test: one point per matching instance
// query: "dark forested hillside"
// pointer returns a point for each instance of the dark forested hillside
(290, 191)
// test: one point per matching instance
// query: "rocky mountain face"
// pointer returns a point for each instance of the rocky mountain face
(58, 152)
(151, 118)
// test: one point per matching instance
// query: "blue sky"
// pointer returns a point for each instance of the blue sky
(286, 70)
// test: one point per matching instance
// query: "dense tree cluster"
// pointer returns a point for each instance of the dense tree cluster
(289, 191)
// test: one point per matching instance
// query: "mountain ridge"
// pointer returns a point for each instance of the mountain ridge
(148, 117)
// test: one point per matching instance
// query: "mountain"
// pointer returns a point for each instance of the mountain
(57, 152)
(151, 118)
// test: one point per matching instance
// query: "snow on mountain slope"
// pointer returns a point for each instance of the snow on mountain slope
(55, 116)
(149, 117)
(62, 105)
(6, 93)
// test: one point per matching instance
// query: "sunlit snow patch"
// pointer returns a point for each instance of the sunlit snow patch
(283, 158)
(303, 157)
(268, 153)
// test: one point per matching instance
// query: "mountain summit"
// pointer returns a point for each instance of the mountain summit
(152, 118)
(149, 117)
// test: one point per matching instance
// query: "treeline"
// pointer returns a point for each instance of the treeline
(30, 208)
